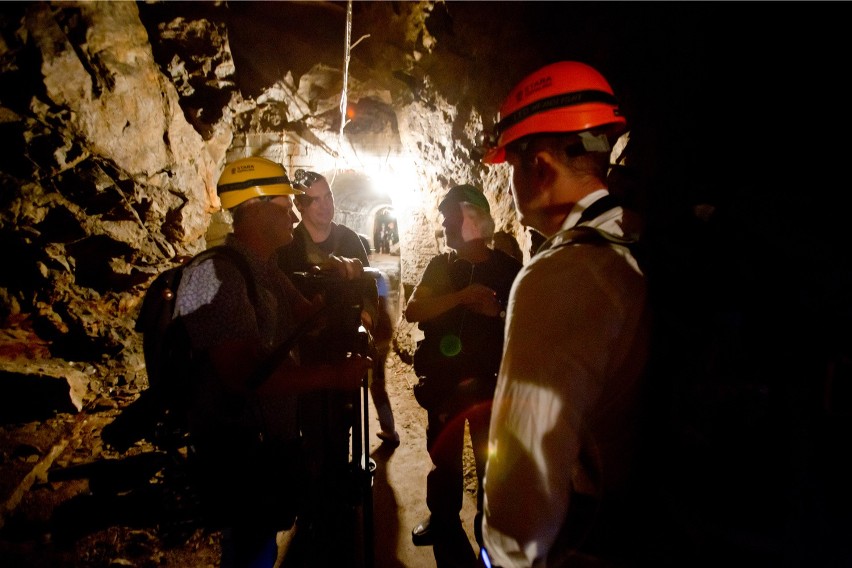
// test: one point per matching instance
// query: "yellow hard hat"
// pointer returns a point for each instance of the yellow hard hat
(248, 178)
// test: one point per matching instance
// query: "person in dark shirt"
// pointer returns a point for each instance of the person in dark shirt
(460, 305)
(317, 241)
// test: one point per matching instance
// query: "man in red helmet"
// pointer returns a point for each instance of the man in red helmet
(564, 431)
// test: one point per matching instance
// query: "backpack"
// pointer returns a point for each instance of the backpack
(158, 414)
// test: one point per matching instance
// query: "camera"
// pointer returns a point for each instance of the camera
(339, 332)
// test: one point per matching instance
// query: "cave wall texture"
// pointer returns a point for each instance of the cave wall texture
(117, 118)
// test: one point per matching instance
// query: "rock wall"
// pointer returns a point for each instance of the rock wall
(104, 179)
(118, 118)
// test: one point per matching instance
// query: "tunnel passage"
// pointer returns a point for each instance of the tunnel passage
(366, 207)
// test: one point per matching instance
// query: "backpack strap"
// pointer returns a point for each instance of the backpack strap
(237, 259)
(586, 235)
(605, 203)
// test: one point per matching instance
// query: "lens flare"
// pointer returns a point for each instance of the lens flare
(450, 345)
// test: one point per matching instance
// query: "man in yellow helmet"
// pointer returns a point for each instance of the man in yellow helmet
(236, 332)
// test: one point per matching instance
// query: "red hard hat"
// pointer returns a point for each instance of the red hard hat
(567, 96)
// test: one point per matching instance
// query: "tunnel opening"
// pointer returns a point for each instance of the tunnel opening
(364, 204)
(385, 232)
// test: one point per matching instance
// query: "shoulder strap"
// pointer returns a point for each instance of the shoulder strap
(235, 257)
(452, 256)
(583, 234)
(605, 203)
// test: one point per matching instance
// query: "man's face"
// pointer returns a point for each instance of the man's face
(276, 218)
(317, 205)
(523, 191)
(460, 225)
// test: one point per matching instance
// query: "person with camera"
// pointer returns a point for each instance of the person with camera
(328, 256)
(317, 240)
(460, 305)
(242, 416)
(320, 242)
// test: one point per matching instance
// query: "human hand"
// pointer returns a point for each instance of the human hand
(367, 320)
(347, 268)
(481, 299)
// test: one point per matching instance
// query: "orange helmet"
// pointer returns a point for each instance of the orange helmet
(567, 96)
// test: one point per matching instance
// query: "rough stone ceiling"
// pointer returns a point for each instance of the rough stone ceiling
(117, 117)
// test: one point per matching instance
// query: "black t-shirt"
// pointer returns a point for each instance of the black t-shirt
(303, 253)
(344, 298)
(471, 344)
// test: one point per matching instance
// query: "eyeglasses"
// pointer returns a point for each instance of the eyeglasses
(267, 198)
(304, 179)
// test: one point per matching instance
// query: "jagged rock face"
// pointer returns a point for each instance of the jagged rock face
(117, 119)
(105, 179)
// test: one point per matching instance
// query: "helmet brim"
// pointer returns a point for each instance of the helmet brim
(231, 199)
(580, 119)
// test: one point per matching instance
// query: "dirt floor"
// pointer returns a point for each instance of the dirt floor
(69, 501)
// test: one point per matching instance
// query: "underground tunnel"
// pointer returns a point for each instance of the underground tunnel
(118, 118)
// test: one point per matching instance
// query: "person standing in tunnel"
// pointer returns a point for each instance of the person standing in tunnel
(382, 335)
(328, 418)
(317, 239)
(391, 236)
(561, 482)
(242, 392)
(460, 305)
